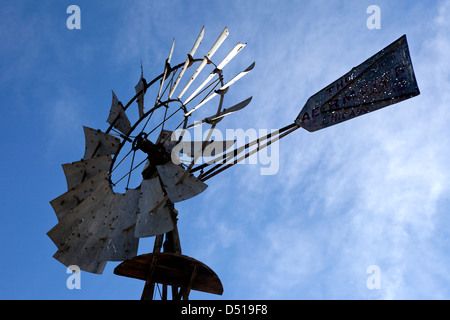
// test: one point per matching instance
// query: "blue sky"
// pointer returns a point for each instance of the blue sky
(371, 191)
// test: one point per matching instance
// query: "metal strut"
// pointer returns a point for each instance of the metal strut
(227, 158)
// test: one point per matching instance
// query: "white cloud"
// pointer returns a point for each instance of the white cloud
(371, 191)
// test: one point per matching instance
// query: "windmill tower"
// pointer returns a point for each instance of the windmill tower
(132, 174)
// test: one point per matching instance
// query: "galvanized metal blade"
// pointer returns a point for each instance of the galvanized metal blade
(99, 143)
(219, 116)
(222, 89)
(188, 61)
(205, 60)
(121, 243)
(117, 116)
(72, 198)
(85, 232)
(80, 171)
(152, 222)
(384, 79)
(220, 66)
(76, 215)
(166, 72)
(170, 175)
(140, 89)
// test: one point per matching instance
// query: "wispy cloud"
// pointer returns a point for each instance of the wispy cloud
(362, 193)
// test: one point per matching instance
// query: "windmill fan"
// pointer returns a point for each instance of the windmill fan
(131, 175)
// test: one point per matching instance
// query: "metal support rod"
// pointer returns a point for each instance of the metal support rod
(211, 173)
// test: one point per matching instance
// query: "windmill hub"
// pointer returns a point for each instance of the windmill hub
(157, 154)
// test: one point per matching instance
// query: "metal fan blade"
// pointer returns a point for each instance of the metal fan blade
(170, 174)
(117, 116)
(219, 116)
(228, 111)
(76, 215)
(151, 223)
(223, 88)
(221, 65)
(99, 143)
(84, 233)
(188, 61)
(166, 71)
(238, 76)
(121, 243)
(208, 56)
(79, 171)
(207, 149)
(140, 89)
(72, 198)
(384, 79)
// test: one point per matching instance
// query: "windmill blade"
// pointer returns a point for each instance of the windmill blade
(76, 215)
(238, 76)
(223, 88)
(219, 116)
(384, 79)
(121, 243)
(219, 68)
(72, 198)
(113, 219)
(117, 116)
(166, 71)
(151, 223)
(170, 175)
(228, 111)
(99, 143)
(84, 246)
(188, 60)
(140, 89)
(79, 171)
(205, 60)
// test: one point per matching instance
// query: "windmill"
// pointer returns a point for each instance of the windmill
(132, 174)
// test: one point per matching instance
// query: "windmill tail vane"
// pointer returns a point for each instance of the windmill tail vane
(131, 176)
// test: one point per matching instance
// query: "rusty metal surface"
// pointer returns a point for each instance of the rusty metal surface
(72, 198)
(79, 171)
(83, 234)
(98, 229)
(99, 143)
(78, 214)
(150, 223)
(170, 174)
(384, 79)
(122, 243)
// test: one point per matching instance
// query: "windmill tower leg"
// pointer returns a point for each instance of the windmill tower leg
(169, 243)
